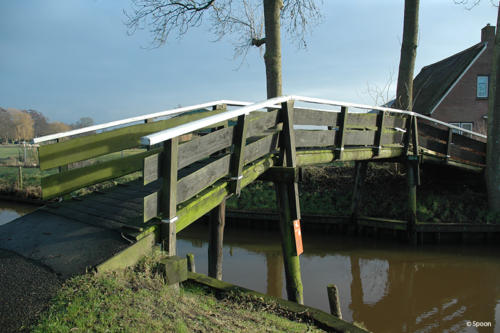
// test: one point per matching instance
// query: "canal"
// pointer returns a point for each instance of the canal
(386, 285)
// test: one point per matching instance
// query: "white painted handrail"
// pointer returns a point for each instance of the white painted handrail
(135, 119)
(170, 133)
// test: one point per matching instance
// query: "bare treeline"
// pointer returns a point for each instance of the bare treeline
(19, 125)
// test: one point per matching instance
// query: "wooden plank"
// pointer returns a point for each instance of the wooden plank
(261, 147)
(362, 120)
(313, 117)
(311, 138)
(195, 182)
(359, 138)
(325, 138)
(259, 122)
(468, 143)
(151, 168)
(66, 182)
(83, 148)
(466, 155)
(431, 131)
(169, 188)
(392, 137)
(433, 145)
(204, 146)
(393, 121)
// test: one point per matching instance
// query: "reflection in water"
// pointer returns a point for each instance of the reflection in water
(10, 211)
(390, 287)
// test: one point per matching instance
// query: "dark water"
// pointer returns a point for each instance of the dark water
(388, 286)
(11, 210)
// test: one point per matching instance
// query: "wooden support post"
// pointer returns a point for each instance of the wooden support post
(411, 174)
(168, 198)
(289, 208)
(190, 262)
(237, 158)
(359, 177)
(217, 221)
(379, 133)
(449, 142)
(339, 142)
(62, 168)
(333, 299)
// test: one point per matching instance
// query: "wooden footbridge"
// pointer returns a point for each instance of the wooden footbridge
(197, 157)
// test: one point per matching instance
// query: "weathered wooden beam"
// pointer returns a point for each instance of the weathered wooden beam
(341, 132)
(168, 197)
(90, 146)
(217, 221)
(238, 155)
(380, 128)
(319, 156)
(74, 179)
(289, 207)
(334, 300)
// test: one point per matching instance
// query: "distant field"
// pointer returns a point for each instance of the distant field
(14, 154)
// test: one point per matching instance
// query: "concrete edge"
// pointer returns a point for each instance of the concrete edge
(129, 256)
(322, 319)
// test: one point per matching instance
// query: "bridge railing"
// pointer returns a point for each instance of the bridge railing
(190, 168)
(82, 161)
(377, 133)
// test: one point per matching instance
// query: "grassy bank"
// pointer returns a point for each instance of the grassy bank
(444, 195)
(136, 300)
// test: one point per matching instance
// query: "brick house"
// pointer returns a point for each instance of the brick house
(456, 89)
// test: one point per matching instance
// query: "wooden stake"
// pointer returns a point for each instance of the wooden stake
(190, 262)
(217, 222)
(333, 299)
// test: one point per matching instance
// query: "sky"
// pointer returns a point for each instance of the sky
(73, 58)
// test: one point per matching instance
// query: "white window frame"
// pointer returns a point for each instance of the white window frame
(482, 86)
(465, 125)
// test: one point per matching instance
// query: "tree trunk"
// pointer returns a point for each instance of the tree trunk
(493, 146)
(272, 57)
(404, 91)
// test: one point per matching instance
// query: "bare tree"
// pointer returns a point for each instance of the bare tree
(404, 91)
(252, 22)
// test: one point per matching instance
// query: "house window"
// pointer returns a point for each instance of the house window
(467, 126)
(482, 86)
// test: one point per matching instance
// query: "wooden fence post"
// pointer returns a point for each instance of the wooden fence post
(190, 262)
(168, 199)
(333, 300)
(360, 168)
(288, 202)
(217, 222)
(20, 182)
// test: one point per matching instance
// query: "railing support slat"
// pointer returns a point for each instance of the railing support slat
(168, 198)
(380, 130)
(341, 132)
(237, 159)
